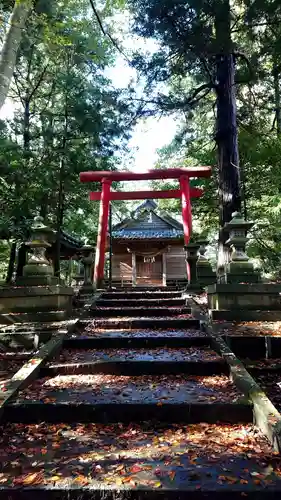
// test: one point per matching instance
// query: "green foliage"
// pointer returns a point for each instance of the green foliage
(66, 110)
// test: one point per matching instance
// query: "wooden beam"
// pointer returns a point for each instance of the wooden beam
(134, 269)
(170, 173)
(145, 195)
(164, 269)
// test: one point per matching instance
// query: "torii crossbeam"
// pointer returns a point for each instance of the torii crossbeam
(106, 178)
(146, 195)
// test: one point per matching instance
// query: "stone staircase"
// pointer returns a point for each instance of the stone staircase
(136, 404)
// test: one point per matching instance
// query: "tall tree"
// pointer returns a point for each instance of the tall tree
(11, 44)
(226, 134)
(66, 109)
(195, 43)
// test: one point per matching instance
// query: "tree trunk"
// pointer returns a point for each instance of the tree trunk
(22, 253)
(44, 206)
(227, 135)
(26, 126)
(60, 214)
(11, 45)
(11, 265)
(277, 100)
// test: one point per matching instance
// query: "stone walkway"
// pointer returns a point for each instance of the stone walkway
(138, 406)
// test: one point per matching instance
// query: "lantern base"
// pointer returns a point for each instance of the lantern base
(86, 289)
(244, 302)
(240, 272)
(205, 274)
(37, 280)
(37, 301)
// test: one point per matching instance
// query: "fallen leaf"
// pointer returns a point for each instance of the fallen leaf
(55, 478)
(257, 481)
(126, 479)
(135, 468)
(172, 474)
(81, 480)
(157, 484)
(35, 478)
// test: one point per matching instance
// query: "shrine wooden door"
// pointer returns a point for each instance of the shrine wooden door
(149, 271)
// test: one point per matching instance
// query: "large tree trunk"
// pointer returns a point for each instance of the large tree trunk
(227, 135)
(11, 45)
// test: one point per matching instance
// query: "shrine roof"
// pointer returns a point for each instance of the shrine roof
(150, 234)
(69, 244)
(146, 223)
(70, 241)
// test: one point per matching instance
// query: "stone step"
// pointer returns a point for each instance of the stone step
(144, 288)
(145, 322)
(141, 295)
(10, 364)
(254, 347)
(268, 380)
(44, 317)
(157, 361)
(136, 339)
(111, 398)
(195, 354)
(136, 368)
(104, 312)
(137, 461)
(164, 302)
(259, 369)
(31, 327)
(244, 315)
(69, 411)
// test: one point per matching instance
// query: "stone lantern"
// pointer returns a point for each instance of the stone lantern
(239, 269)
(191, 257)
(87, 259)
(38, 270)
(206, 275)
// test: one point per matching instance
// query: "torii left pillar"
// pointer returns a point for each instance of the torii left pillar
(102, 234)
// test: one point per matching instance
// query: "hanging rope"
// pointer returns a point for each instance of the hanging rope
(149, 254)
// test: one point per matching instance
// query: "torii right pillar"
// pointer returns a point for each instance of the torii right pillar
(186, 215)
(102, 233)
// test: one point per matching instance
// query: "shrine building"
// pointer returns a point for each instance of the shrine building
(148, 249)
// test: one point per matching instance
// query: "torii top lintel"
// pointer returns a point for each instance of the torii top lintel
(171, 173)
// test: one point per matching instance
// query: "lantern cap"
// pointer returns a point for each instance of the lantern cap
(238, 222)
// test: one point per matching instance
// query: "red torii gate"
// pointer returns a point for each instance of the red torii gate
(106, 178)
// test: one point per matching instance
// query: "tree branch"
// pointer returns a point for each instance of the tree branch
(207, 69)
(18, 89)
(38, 83)
(246, 60)
(105, 33)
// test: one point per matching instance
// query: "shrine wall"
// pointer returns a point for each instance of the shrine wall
(176, 265)
(122, 267)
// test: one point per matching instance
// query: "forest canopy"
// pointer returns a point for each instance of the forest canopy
(68, 116)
